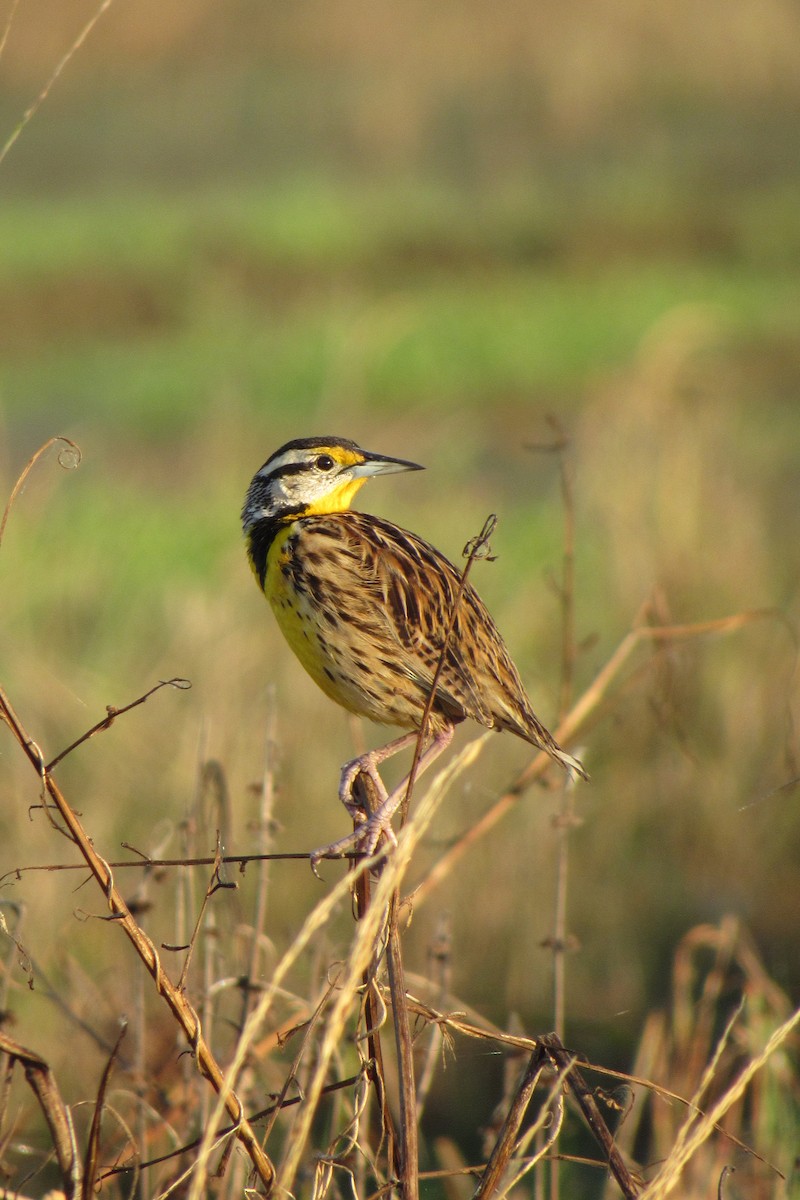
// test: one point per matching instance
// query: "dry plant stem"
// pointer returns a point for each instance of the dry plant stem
(584, 1097)
(262, 840)
(375, 1013)
(507, 1139)
(32, 110)
(405, 1058)
(213, 886)
(691, 1139)
(7, 29)
(577, 720)
(56, 1113)
(407, 1164)
(112, 714)
(93, 1142)
(316, 920)
(362, 949)
(69, 457)
(186, 861)
(180, 1007)
(563, 823)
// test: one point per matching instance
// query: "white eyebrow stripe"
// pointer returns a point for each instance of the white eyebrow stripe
(290, 458)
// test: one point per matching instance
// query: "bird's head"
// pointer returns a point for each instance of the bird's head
(313, 475)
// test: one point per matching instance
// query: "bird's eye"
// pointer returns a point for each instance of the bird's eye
(324, 463)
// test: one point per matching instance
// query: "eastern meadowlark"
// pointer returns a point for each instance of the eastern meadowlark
(365, 606)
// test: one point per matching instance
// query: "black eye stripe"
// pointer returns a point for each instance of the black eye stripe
(300, 467)
(288, 469)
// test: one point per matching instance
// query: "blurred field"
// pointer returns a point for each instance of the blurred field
(228, 228)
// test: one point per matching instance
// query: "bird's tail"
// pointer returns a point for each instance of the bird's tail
(535, 733)
(568, 762)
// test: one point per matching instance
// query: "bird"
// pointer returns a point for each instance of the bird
(366, 607)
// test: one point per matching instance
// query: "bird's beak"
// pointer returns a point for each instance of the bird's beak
(379, 464)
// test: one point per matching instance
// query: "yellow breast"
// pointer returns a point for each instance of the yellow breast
(300, 621)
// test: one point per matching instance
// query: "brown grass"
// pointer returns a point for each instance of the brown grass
(309, 1028)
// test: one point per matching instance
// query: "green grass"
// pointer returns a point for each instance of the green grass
(157, 310)
(181, 338)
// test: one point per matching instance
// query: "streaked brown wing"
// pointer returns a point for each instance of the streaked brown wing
(403, 587)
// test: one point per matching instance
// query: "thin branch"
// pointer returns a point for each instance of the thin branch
(32, 110)
(577, 720)
(375, 1010)
(12, 12)
(206, 860)
(58, 1117)
(507, 1138)
(180, 1007)
(405, 1056)
(215, 883)
(69, 458)
(111, 715)
(584, 1097)
(93, 1142)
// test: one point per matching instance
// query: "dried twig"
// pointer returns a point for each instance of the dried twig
(56, 1113)
(111, 715)
(584, 1097)
(375, 1010)
(93, 1142)
(368, 933)
(409, 1164)
(507, 1138)
(69, 458)
(32, 110)
(578, 719)
(180, 1007)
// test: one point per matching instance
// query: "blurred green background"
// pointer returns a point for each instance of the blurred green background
(427, 229)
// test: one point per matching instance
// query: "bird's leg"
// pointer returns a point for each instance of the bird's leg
(380, 822)
(367, 764)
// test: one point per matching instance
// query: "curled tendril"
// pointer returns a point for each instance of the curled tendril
(479, 547)
(69, 457)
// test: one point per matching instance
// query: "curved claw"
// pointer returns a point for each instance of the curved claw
(378, 824)
(364, 840)
(365, 765)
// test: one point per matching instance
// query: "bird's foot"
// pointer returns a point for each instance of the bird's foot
(373, 820)
(369, 826)
(365, 764)
(363, 841)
